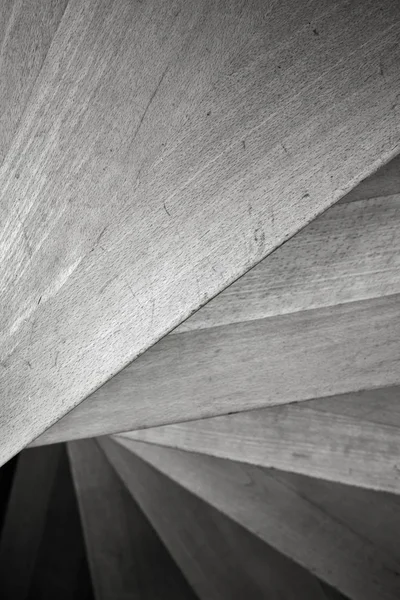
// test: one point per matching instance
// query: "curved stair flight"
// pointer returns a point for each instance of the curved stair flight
(199, 300)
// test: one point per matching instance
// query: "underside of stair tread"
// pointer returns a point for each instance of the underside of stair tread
(370, 514)
(353, 438)
(360, 559)
(268, 125)
(199, 300)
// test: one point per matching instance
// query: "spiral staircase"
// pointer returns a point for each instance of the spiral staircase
(199, 299)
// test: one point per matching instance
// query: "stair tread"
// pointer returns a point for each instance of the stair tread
(352, 438)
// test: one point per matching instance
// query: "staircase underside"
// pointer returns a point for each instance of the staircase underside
(141, 177)
(199, 299)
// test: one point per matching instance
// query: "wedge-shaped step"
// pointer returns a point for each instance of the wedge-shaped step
(42, 553)
(117, 222)
(353, 438)
(288, 520)
(349, 253)
(295, 357)
(126, 557)
(375, 516)
(221, 559)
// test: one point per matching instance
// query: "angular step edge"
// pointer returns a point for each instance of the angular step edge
(244, 366)
(352, 438)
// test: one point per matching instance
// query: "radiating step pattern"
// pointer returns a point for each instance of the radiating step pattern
(164, 523)
(286, 518)
(243, 366)
(117, 223)
(318, 317)
(220, 558)
(256, 451)
(126, 557)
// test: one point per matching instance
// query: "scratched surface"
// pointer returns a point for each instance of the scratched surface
(27, 28)
(165, 149)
